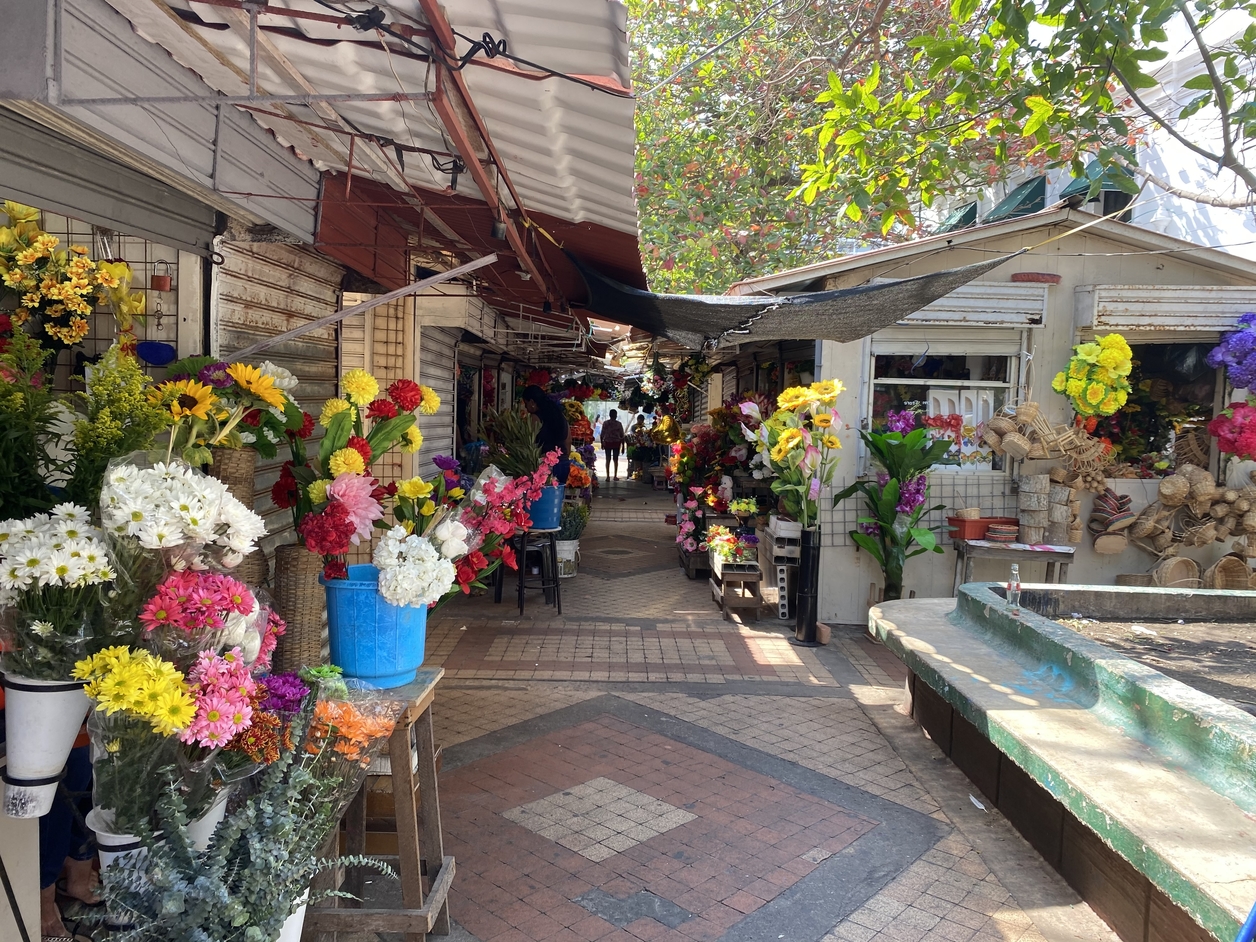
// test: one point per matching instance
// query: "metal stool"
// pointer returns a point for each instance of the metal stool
(546, 543)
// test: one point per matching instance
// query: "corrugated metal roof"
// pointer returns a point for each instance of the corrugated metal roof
(568, 148)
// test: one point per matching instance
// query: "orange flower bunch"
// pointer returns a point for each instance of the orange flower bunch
(348, 731)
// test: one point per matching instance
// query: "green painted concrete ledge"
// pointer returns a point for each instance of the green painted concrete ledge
(1164, 774)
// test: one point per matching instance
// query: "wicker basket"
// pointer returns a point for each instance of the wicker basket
(1133, 578)
(236, 468)
(1174, 490)
(1228, 572)
(1002, 424)
(1016, 444)
(1176, 572)
(300, 601)
(254, 571)
(1026, 412)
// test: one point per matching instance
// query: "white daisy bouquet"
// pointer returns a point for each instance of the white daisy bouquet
(413, 570)
(53, 568)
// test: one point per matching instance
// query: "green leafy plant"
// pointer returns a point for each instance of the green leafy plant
(891, 531)
(574, 519)
(29, 415)
(512, 442)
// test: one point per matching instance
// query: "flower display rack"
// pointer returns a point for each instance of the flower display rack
(695, 564)
(720, 566)
(737, 591)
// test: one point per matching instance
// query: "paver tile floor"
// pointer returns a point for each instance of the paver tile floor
(640, 769)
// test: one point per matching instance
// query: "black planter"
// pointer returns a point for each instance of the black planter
(808, 588)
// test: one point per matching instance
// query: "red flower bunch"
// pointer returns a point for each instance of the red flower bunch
(1235, 430)
(361, 446)
(381, 409)
(406, 394)
(469, 568)
(285, 492)
(327, 532)
(539, 378)
(306, 429)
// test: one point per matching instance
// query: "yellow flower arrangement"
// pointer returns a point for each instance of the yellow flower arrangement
(318, 491)
(412, 440)
(430, 402)
(253, 381)
(1096, 378)
(346, 460)
(186, 397)
(331, 409)
(121, 680)
(414, 488)
(359, 387)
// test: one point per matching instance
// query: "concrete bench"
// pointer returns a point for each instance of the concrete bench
(1163, 775)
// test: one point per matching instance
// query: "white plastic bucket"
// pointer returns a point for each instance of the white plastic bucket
(202, 829)
(568, 557)
(42, 719)
(291, 931)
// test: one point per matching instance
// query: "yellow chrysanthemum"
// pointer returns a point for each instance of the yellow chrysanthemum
(1074, 387)
(1059, 382)
(174, 713)
(190, 398)
(360, 387)
(826, 391)
(1095, 393)
(428, 508)
(331, 409)
(317, 491)
(256, 383)
(430, 402)
(346, 460)
(412, 441)
(1122, 397)
(831, 441)
(414, 488)
(794, 397)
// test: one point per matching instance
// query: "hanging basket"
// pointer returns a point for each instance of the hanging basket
(299, 601)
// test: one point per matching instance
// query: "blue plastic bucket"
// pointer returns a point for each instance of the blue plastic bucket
(372, 639)
(547, 510)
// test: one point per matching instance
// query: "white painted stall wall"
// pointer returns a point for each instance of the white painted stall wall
(436, 353)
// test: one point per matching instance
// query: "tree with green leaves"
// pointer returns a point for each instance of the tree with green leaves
(725, 91)
(1012, 83)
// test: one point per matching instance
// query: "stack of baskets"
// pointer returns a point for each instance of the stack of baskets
(1003, 533)
(1023, 432)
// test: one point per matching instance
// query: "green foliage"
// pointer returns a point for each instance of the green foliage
(719, 146)
(119, 419)
(1012, 83)
(29, 414)
(512, 442)
(574, 519)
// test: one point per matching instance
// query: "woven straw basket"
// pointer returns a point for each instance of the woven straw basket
(236, 468)
(1176, 572)
(1228, 572)
(300, 601)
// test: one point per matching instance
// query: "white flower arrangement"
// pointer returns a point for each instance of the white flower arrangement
(412, 571)
(59, 549)
(283, 379)
(453, 539)
(171, 505)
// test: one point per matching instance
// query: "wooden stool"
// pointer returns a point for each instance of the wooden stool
(419, 835)
(737, 590)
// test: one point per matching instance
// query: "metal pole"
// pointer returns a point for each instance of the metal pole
(252, 50)
(245, 99)
(366, 306)
(217, 146)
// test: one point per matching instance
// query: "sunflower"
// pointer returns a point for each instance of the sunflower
(789, 440)
(256, 383)
(826, 391)
(189, 397)
(831, 441)
(794, 397)
(822, 419)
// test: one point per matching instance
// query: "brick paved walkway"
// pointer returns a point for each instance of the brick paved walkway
(639, 769)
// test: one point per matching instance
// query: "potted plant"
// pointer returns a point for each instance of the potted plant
(575, 518)
(896, 500)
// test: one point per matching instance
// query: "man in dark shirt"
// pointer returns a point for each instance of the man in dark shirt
(554, 431)
(612, 441)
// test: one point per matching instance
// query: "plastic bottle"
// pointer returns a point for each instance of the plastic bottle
(1014, 589)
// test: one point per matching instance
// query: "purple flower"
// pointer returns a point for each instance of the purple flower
(882, 478)
(870, 529)
(903, 421)
(911, 493)
(1237, 353)
(216, 375)
(284, 693)
(446, 462)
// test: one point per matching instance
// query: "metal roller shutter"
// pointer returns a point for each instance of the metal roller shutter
(44, 169)
(264, 289)
(437, 357)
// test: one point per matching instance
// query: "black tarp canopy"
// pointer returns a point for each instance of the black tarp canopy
(700, 320)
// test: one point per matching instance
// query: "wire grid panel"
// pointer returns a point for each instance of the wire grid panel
(990, 491)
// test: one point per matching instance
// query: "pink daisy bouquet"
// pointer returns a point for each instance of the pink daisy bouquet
(190, 611)
(224, 692)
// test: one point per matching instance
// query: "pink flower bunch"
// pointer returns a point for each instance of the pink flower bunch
(357, 493)
(275, 628)
(194, 601)
(505, 506)
(1235, 430)
(225, 696)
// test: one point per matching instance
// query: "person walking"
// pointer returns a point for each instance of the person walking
(554, 433)
(612, 440)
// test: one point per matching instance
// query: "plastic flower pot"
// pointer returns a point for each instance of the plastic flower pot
(547, 510)
(201, 831)
(42, 719)
(109, 847)
(568, 554)
(370, 638)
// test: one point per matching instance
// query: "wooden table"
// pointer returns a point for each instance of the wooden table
(420, 845)
(1057, 558)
